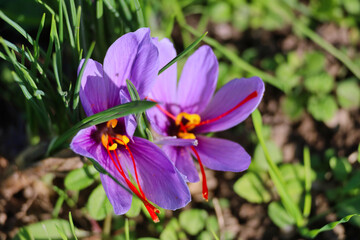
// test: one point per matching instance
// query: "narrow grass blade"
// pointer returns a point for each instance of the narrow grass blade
(313, 233)
(57, 79)
(17, 27)
(72, 227)
(57, 60)
(125, 8)
(19, 68)
(139, 14)
(50, 46)
(51, 11)
(100, 26)
(61, 232)
(68, 25)
(112, 113)
(170, 27)
(307, 166)
(73, 11)
(233, 57)
(275, 174)
(182, 54)
(78, 80)
(61, 22)
(36, 45)
(77, 32)
(127, 230)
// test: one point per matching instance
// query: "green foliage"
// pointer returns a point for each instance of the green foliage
(251, 187)
(98, 204)
(81, 178)
(314, 63)
(319, 84)
(340, 167)
(135, 208)
(279, 215)
(322, 108)
(193, 220)
(348, 93)
(293, 106)
(259, 160)
(49, 229)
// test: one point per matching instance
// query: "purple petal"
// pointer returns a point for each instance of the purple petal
(164, 89)
(160, 181)
(198, 80)
(174, 141)
(93, 91)
(223, 155)
(226, 99)
(129, 120)
(118, 62)
(183, 162)
(158, 120)
(119, 198)
(145, 67)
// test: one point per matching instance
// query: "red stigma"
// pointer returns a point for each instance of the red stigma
(245, 100)
(151, 209)
(205, 190)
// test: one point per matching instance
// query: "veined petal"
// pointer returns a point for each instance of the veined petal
(174, 141)
(198, 80)
(158, 120)
(93, 90)
(223, 155)
(129, 120)
(119, 198)
(164, 89)
(146, 64)
(159, 179)
(183, 162)
(228, 97)
(118, 63)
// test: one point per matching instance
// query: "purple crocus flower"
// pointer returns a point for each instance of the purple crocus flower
(135, 57)
(190, 108)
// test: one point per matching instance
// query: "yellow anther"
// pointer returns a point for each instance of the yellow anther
(112, 123)
(113, 147)
(193, 119)
(184, 135)
(105, 142)
(122, 139)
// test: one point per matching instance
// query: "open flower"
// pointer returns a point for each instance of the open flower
(187, 109)
(111, 144)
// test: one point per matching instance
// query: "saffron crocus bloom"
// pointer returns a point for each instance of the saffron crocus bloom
(111, 144)
(188, 109)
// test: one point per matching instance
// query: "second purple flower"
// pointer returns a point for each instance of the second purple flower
(190, 108)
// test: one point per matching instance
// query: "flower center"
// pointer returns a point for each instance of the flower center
(111, 140)
(187, 122)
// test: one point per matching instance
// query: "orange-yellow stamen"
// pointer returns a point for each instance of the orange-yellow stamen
(105, 142)
(113, 123)
(186, 135)
(193, 120)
